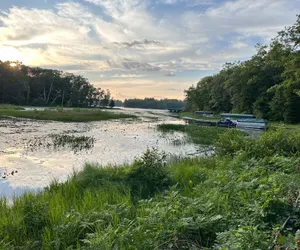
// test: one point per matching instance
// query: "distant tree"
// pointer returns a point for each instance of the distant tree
(268, 84)
(119, 103)
(151, 103)
(111, 103)
(24, 85)
(105, 100)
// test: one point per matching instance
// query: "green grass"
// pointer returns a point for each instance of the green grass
(237, 199)
(171, 127)
(10, 107)
(75, 115)
(198, 134)
(273, 124)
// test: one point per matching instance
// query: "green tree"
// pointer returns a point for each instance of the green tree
(111, 103)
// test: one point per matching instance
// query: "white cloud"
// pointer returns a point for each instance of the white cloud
(170, 74)
(257, 17)
(238, 45)
(134, 40)
(187, 2)
(127, 76)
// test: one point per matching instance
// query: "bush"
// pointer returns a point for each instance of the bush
(148, 174)
(279, 142)
(230, 142)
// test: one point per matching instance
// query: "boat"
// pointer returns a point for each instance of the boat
(227, 123)
(252, 123)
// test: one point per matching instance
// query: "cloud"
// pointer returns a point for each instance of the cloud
(124, 88)
(170, 74)
(142, 43)
(139, 40)
(238, 45)
(127, 76)
(133, 66)
(189, 3)
(257, 17)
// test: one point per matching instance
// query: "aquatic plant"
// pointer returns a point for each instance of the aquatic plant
(237, 199)
(10, 107)
(58, 141)
(67, 115)
(197, 134)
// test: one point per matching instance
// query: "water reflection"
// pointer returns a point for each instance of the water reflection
(56, 142)
(109, 142)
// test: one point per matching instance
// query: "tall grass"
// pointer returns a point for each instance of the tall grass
(198, 134)
(76, 115)
(10, 107)
(233, 201)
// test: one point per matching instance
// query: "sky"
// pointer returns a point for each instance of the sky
(139, 48)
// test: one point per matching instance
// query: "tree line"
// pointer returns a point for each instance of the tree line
(24, 85)
(152, 103)
(267, 85)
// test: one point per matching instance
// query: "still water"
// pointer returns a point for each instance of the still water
(25, 168)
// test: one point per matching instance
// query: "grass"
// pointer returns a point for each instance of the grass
(273, 124)
(237, 199)
(10, 107)
(58, 142)
(198, 134)
(75, 115)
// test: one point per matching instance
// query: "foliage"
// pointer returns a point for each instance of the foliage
(268, 84)
(10, 107)
(24, 85)
(198, 134)
(111, 103)
(148, 175)
(240, 198)
(171, 127)
(151, 103)
(276, 142)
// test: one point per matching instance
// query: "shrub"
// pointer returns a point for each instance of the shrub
(279, 142)
(148, 174)
(230, 142)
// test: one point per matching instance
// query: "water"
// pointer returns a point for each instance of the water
(115, 142)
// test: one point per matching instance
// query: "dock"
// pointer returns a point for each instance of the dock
(204, 113)
(190, 120)
(174, 110)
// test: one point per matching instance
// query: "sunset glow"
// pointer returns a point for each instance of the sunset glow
(139, 43)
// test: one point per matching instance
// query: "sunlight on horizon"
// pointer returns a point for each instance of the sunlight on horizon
(13, 54)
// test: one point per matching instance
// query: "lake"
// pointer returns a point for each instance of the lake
(28, 160)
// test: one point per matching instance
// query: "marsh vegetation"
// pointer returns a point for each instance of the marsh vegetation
(58, 142)
(198, 134)
(239, 198)
(64, 115)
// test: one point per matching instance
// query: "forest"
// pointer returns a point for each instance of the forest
(24, 85)
(267, 85)
(151, 103)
